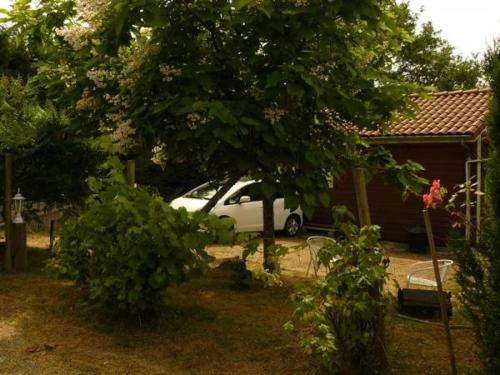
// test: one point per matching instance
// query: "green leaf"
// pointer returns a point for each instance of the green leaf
(324, 198)
(238, 4)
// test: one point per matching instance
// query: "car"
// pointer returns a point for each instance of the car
(243, 203)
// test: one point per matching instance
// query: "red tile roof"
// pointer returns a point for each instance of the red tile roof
(444, 113)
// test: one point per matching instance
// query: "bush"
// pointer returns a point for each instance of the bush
(127, 246)
(479, 264)
(344, 312)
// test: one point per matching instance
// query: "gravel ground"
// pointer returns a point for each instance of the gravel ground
(295, 263)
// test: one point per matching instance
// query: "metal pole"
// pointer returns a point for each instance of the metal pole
(8, 212)
(479, 187)
(444, 314)
(467, 199)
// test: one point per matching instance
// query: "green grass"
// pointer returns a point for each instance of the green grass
(208, 328)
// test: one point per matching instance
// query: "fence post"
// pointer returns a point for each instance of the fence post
(8, 212)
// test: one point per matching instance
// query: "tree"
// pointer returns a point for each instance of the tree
(479, 264)
(429, 60)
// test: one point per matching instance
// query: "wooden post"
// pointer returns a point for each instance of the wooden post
(8, 212)
(444, 313)
(19, 245)
(359, 181)
(131, 173)
(268, 233)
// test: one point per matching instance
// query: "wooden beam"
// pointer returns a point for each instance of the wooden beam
(442, 302)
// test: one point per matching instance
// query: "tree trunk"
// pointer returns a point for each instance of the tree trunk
(219, 194)
(268, 234)
(131, 173)
(359, 180)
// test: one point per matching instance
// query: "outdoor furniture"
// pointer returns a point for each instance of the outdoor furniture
(422, 273)
(315, 243)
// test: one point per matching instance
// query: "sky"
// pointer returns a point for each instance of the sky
(469, 25)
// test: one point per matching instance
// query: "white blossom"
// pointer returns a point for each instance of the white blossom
(195, 119)
(75, 35)
(274, 115)
(87, 102)
(100, 77)
(91, 11)
(169, 72)
(122, 135)
(158, 155)
(300, 3)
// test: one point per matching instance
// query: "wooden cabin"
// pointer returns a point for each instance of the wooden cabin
(446, 133)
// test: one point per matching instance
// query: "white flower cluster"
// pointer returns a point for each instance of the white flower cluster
(158, 155)
(169, 72)
(75, 35)
(274, 115)
(91, 11)
(66, 75)
(300, 3)
(194, 119)
(100, 77)
(87, 102)
(123, 133)
(142, 50)
(89, 16)
(117, 100)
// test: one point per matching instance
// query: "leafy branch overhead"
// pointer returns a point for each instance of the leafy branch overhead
(259, 88)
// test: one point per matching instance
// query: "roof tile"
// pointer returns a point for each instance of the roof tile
(444, 113)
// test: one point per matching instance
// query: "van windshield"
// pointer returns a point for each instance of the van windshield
(203, 192)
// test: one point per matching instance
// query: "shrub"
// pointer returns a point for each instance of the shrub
(127, 246)
(344, 312)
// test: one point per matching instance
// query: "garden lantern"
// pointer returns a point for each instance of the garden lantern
(18, 207)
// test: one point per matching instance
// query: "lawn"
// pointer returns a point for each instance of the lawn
(209, 328)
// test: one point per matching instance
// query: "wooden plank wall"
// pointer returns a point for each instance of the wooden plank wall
(444, 161)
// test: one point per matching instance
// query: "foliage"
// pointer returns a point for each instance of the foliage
(429, 60)
(479, 264)
(343, 313)
(127, 246)
(15, 60)
(51, 159)
(241, 87)
(171, 179)
(21, 115)
(405, 176)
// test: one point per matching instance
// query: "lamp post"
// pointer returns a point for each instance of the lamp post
(18, 201)
(19, 234)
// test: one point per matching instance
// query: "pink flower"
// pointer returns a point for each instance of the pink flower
(435, 195)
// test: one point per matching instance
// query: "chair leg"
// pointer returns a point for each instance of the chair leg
(308, 267)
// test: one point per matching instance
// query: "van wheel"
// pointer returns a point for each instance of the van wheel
(292, 225)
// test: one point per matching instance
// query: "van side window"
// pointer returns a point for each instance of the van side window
(250, 190)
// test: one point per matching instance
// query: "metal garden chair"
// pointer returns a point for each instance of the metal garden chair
(315, 244)
(422, 273)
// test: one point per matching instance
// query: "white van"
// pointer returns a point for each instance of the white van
(242, 203)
